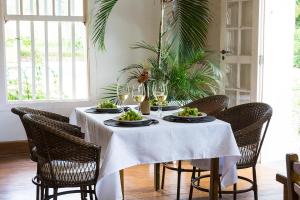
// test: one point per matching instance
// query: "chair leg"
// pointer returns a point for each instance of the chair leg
(95, 192)
(191, 187)
(46, 193)
(82, 194)
(199, 174)
(234, 191)
(178, 179)
(55, 193)
(37, 190)
(220, 189)
(42, 192)
(254, 183)
(91, 194)
(163, 177)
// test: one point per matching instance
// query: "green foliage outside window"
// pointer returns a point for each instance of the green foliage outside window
(297, 36)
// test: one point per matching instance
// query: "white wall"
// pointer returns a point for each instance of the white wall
(277, 88)
(131, 21)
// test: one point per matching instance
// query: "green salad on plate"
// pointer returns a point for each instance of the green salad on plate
(106, 104)
(189, 112)
(130, 116)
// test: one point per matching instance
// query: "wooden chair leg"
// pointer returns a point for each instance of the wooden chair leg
(220, 188)
(178, 179)
(163, 177)
(234, 191)
(199, 174)
(191, 187)
(254, 183)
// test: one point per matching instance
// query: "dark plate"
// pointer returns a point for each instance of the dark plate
(165, 108)
(115, 123)
(100, 111)
(171, 118)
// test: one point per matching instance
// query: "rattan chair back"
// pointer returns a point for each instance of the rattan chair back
(63, 159)
(210, 105)
(21, 111)
(247, 122)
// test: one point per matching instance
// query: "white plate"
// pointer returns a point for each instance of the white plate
(126, 121)
(190, 117)
(107, 108)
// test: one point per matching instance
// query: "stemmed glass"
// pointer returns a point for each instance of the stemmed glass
(160, 92)
(138, 94)
(123, 94)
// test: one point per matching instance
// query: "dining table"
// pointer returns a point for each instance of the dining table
(210, 145)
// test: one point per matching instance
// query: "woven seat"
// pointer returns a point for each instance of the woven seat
(211, 105)
(63, 159)
(249, 123)
(66, 172)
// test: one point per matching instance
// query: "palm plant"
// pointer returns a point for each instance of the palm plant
(185, 29)
(197, 77)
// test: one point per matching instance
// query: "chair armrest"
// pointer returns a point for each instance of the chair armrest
(281, 179)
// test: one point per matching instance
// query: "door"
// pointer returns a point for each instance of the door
(240, 50)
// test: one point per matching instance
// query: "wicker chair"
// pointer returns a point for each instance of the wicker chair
(61, 121)
(210, 105)
(63, 159)
(247, 122)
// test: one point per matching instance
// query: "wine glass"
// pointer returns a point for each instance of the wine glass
(123, 94)
(138, 94)
(160, 92)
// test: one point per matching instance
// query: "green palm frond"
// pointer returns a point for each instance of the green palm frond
(188, 27)
(131, 67)
(146, 46)
(185, 30)
(110, 92)
(104, 10)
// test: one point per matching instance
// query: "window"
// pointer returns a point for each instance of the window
(45, 45)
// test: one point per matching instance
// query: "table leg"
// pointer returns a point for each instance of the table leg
(122, 181)
(157, 176)
(214, 179)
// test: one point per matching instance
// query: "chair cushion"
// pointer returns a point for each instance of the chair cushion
(69, 172)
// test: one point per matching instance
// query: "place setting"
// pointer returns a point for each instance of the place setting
(131, 116)
(189, 115)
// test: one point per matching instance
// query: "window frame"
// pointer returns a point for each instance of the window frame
(3, 68)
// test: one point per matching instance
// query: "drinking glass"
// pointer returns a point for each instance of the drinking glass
(123, 94)
(138, 94)
(160, 92)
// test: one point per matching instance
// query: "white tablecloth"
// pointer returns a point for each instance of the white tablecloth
(164, 142)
